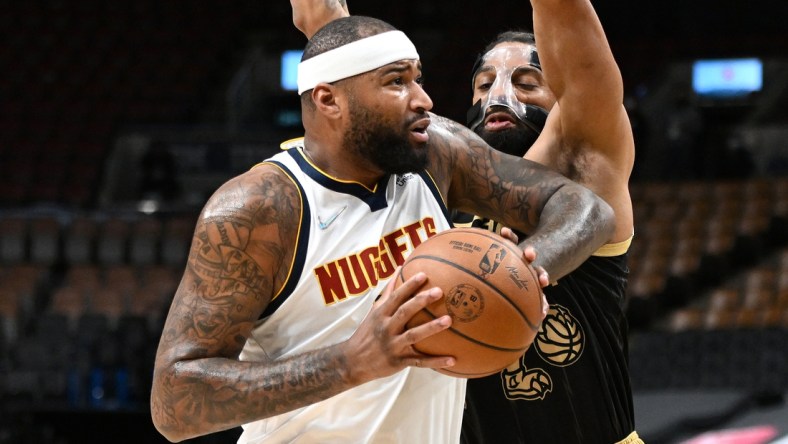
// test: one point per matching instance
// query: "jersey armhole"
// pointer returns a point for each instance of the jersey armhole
(299, 254)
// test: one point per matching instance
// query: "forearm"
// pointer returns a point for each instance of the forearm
(573, 224)
(311, 15)
(565, 222)
(575, 54)
(197, 397)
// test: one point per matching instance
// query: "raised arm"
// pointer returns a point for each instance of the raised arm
(581, 72)
(240, 255)
(588, 136)
(565, 222)
(311, 15)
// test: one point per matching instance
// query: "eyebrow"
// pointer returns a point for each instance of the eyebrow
(399, 66)
(484, 69)
(529, 68)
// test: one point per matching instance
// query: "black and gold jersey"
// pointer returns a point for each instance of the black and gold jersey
(572, 385)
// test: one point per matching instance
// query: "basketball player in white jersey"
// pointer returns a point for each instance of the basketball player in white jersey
(275, 325)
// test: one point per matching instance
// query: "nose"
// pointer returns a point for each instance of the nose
(499, 90)
(421, 100)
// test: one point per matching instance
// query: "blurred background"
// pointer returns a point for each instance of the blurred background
(118, 119)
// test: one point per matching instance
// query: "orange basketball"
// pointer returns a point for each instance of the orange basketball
(491, 293)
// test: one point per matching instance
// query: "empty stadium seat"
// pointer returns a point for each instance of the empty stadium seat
(144, 241)
(45, 240)
(111, 241)
(79, 240)
(176, 240)
(13, 240)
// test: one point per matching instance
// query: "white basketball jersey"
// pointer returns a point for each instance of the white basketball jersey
(350, 241)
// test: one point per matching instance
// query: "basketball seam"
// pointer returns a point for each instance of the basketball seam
(476, 341)
(470, 375)
(497, 290)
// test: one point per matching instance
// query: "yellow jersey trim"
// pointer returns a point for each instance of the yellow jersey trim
(298, 142)
(336, 179)
(437, 188)
(298, 233)
(292, 143)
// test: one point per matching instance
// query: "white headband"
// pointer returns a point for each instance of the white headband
(355, 58)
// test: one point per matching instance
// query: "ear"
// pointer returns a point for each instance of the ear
(327, 100)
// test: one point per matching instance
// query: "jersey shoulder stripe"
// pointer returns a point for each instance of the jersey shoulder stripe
(433, 187)
(302, 239)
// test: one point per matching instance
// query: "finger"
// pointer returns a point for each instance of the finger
(410, 307)
(544, 277)
(392, 299)
(427, 329)
(390, 285)
(529, 253)
(545, 306)
(509, 234)
(427, 361)
(421, 332)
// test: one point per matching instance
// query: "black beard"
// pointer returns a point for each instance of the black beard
(389, 150)
(515, 141)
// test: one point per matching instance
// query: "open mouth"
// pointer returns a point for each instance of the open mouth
(499, 120)
(419, 129)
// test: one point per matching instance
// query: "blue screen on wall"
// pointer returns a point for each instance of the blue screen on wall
(727, 77)
(289, 72)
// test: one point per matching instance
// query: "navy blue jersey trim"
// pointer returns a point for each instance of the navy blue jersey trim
(301, 248)
(376, 200)
(425, 176)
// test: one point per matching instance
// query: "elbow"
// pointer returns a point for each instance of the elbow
(303, 18)
(605, 219)
(171, 437)
(165, 429)
(301, 23)
(163, 415)
(160, 422)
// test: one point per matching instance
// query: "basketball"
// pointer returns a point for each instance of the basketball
(491, 293)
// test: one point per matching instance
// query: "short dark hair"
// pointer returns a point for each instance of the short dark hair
(513, 35)
(342, 31)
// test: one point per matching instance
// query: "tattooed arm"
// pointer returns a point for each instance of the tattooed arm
(565, 222)
(311, 15)
(240, 255)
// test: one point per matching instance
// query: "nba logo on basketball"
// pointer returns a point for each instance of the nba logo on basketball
(491, 260)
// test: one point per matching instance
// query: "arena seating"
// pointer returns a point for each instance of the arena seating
(83, 70)
(722, 322)
(90, 289)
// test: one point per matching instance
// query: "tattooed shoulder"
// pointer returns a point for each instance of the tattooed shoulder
(246, 234)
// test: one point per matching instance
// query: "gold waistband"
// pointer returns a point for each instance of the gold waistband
(633, 438)
(615, 249)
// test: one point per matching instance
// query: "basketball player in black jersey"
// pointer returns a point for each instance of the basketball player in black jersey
(572, 385)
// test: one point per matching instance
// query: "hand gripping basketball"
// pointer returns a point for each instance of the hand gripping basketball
(493, 296)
